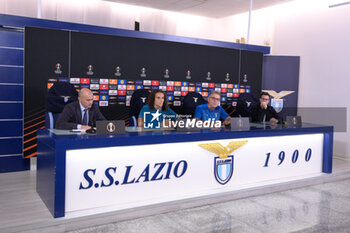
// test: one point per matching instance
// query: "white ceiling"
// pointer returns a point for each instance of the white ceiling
(207, 8)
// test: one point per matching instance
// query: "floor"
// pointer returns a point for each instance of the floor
(318, 208)
(319, 204)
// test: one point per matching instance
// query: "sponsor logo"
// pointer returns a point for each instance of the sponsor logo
(122, 87)
(104, 86)
(103, 103)
(163, 88)
(147, 82)
(121, 81)
(113, 81)
(155, 83)
(177, 84)
(110, 127)
(58, 69)
(113, 92)
(104, 81)
(74, 80)
(151, 172)
(177, 93)
(151, 120)
(90, 68)
(177, 103)
(277, 101)
(170, 83)
(63, 80)
(224, 162)
(94, 86)
(85, 81)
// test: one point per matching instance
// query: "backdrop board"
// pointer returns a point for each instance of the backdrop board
(43, 49)
(113, 67)
(281, 80)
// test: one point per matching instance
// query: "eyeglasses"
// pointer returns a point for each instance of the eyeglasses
(265, 99)
(217, 99)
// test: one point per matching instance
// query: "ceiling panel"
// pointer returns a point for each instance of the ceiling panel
(207, 8)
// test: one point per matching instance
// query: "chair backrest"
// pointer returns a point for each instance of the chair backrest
(54, 98)
(246, 105)
(50, 119)
(137, 101)
(191, 101)
(55, 101)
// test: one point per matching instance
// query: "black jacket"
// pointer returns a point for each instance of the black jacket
(260, 114)
(71, 116)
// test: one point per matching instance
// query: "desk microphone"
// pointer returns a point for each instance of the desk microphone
(92, 130)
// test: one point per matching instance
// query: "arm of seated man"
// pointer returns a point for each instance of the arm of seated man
(140, 122)
(227, 121)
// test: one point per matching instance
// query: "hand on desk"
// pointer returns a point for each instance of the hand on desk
(227, 121)
(85, 127)
(273, 120)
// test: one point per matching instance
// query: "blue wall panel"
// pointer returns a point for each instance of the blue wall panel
(11, 110)
(13, 164)
(11, 92)
(11, 146)
(11, 74)
(11, 57)
(11, 39)
(11, 128)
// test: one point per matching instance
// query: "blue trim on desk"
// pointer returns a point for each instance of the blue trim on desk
(60, 184)
(158, 137)
(327, 152)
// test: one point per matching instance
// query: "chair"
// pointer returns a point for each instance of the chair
(137, 101)
(191, 101)
(55, 101)
(246, 105)
(50, 119)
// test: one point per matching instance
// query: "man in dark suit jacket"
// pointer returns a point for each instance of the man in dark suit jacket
(81, 114)
(265, 112)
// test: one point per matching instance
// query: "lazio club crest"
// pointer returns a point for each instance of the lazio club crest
(224, 162)
(277, 101)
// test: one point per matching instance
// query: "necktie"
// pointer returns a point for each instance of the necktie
(85, 117)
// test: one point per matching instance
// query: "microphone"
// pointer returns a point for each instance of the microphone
(92, 130)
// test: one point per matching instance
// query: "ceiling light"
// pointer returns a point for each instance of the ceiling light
(335, 3)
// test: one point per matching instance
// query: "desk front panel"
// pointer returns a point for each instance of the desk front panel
(121, 177)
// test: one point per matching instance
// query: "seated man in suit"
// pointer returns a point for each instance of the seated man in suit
(81, 114)
(264, 112)
(212, 110)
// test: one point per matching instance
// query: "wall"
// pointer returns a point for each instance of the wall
(320, 36)
(109, 14)
(307, 28)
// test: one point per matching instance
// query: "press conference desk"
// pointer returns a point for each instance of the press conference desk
(100, 173)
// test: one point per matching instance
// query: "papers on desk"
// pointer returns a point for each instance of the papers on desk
(78, 130)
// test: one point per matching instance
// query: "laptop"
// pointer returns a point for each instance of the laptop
(240, 123)
(110, 127)
(293, 121)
